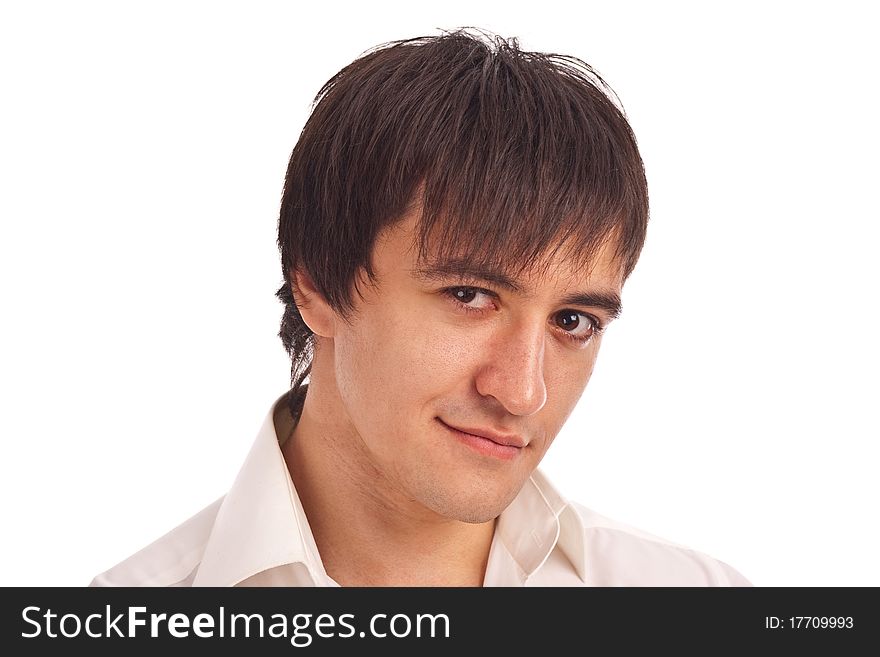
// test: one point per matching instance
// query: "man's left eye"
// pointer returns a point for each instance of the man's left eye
(577, 324)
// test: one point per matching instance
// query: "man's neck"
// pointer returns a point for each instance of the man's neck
(367, 533)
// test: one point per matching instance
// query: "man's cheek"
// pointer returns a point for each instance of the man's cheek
(416, 352)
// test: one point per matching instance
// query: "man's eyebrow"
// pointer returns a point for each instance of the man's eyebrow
(462, 269)
(607, 301)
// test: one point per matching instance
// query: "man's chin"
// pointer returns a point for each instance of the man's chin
(471, 506)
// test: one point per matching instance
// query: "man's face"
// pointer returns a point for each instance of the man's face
(453, 386)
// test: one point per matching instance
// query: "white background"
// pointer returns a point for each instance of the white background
(142, 153)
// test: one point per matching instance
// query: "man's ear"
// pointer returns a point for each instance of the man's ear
(314, 309)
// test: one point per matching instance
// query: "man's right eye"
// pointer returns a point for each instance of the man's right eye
(464, 294)
(464, 297)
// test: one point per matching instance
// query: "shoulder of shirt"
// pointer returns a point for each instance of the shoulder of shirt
(618, 554)
(171, 560)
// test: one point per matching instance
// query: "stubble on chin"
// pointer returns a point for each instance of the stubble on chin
(477, 501)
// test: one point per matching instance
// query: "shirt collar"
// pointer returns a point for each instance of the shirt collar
(261, 524)
(537, 521)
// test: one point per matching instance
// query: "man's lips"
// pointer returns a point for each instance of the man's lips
(487, 441)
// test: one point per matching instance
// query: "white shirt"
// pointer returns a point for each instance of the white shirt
(258, 535)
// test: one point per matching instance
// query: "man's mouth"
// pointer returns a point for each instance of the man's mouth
(488, 441)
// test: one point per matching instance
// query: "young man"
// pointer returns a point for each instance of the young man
(458, 221)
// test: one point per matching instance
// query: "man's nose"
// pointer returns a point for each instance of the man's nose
(513, 372)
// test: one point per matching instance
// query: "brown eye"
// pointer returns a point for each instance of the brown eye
(464, 294)
(568, 320)
(464, 298)
(577, 326)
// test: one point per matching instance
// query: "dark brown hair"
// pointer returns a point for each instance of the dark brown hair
(510, 155)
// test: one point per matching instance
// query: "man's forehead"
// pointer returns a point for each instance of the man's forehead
(517, 273)
(513, 266)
